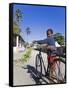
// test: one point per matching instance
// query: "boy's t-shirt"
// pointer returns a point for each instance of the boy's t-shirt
(49, 41)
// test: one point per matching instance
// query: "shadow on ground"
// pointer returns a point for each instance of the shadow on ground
(33, 74)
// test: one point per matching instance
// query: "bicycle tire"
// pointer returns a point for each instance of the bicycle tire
(38, 65)
(58, 71)
(60, 78)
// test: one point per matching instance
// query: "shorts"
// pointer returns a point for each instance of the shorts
(51, 59)
(50, 62)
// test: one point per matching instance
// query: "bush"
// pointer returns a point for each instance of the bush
(26, 55)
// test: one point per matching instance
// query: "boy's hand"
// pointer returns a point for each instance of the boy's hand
(51, 47)
(44, 45)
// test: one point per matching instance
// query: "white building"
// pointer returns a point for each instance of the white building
(18, 42)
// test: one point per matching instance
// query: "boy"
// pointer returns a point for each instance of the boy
(49, 44)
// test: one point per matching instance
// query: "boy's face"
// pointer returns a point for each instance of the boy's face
(49, 34)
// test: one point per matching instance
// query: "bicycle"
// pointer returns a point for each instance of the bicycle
(39, 64)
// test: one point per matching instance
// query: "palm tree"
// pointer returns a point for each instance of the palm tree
(18, 15)
(28, 32)
(18, 18)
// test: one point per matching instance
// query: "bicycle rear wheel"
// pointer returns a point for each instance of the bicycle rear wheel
(38, 65)
(57, 71)
(60, 77)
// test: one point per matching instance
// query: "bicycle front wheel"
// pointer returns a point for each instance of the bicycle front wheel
(38, 65)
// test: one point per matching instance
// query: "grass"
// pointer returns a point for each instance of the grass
(25, 57)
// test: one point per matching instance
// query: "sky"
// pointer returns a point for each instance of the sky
(39, 19)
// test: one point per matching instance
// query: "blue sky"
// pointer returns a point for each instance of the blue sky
(39, 19)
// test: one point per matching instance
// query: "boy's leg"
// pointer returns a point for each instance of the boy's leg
(51, 67)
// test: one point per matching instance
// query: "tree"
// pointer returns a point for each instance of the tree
(59, 38)
(17, 18)
(16, 28)
(18, 15)
(28, 32)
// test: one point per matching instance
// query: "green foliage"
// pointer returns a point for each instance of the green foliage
(16, 28)
(18, 15)
(17, 19)
(59, 38)
(26, 55)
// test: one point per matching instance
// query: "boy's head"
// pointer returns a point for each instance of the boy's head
(49, 32)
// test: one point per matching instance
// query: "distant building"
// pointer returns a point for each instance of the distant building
(18, 42)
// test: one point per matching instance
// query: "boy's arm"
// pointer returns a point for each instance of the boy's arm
(42, 41)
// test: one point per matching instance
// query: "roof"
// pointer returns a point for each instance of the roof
(19, 36)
